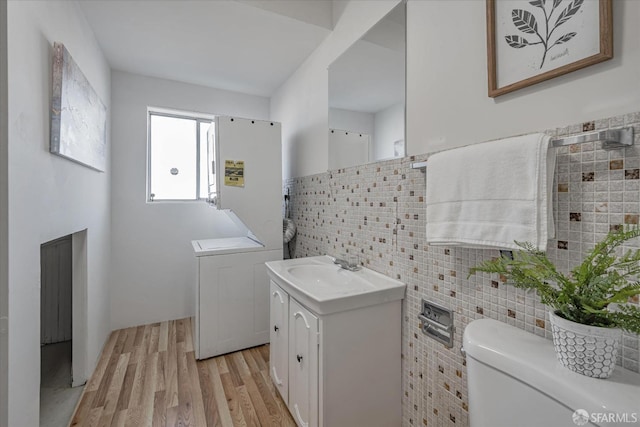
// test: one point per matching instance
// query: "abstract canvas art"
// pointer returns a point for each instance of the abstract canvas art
(78, 116)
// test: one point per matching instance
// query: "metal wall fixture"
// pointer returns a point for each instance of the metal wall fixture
(437, 322)
(611, 139)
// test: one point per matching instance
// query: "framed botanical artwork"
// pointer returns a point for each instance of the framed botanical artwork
(529, 41)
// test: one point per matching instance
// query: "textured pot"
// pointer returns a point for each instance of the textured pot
(587, 350)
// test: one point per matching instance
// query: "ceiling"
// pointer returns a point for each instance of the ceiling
(249, 46)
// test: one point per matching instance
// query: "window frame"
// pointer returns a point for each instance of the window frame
(198, 118)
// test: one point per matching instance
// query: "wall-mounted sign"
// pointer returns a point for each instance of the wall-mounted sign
(234, 173)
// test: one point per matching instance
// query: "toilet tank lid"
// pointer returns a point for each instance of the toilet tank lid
(532, 360)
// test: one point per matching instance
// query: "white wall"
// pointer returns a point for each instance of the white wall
(153, 268)
(384, 127)
(300, 104)
(4, 216)
(447, 102)
(389, 127)
(354, 121)
(49, 196)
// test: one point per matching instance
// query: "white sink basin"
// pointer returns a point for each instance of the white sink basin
(325, 287)
(329, 279)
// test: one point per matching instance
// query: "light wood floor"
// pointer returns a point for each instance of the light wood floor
(148, 376)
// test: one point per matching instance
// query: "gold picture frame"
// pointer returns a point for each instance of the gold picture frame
(520, 35)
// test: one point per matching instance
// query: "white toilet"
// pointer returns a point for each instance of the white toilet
(514, 379)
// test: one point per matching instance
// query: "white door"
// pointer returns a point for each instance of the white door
(303, 365)
(279, 348)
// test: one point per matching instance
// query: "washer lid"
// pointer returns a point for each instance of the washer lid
(532, 360)
(225, 245)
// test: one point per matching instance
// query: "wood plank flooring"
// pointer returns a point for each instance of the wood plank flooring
(148, 376)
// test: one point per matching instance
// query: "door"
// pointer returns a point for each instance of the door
(55, 290)
(279, 334)
(303, 365)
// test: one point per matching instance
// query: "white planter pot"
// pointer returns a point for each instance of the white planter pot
(587, 350)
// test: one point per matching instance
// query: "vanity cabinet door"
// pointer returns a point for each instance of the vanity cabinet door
(279, 334)
(303, 365)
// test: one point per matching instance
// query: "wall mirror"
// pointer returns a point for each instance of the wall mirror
(367, 95)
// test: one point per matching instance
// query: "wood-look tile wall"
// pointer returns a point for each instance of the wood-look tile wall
(378, 211)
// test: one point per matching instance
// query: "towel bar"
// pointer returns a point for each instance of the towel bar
(611, 139)
(418, 165)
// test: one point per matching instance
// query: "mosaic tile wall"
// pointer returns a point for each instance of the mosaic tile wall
(377, 211)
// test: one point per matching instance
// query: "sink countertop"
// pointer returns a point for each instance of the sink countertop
(326, 288)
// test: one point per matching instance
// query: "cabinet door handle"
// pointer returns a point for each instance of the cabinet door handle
(299, 358)
(300, 315)
(275, 328)
(275, 376)
(302, 423)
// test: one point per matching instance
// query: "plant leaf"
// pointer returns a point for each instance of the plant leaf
(538, 3)
(516, 41)
(565, 38)
(566, 14)
(525, 21)
(627, 317)
(556, 3)
(598, 292)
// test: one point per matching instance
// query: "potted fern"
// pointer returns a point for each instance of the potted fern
(590, 307)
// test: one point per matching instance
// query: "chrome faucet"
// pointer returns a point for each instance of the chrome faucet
(348, 262)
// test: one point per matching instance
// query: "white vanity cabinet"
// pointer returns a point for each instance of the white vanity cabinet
(340, 368)
(303, 365)
(279, 338)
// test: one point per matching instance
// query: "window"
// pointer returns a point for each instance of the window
(178, 157)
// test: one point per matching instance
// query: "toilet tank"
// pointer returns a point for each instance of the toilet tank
(514, 379)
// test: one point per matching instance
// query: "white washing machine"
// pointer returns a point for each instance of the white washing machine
(232, 295)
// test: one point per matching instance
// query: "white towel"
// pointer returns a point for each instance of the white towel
(492, 194)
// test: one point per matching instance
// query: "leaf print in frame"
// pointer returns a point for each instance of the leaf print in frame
(529, 41)
(526, 22)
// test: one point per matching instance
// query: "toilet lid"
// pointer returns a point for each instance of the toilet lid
(532, 360)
